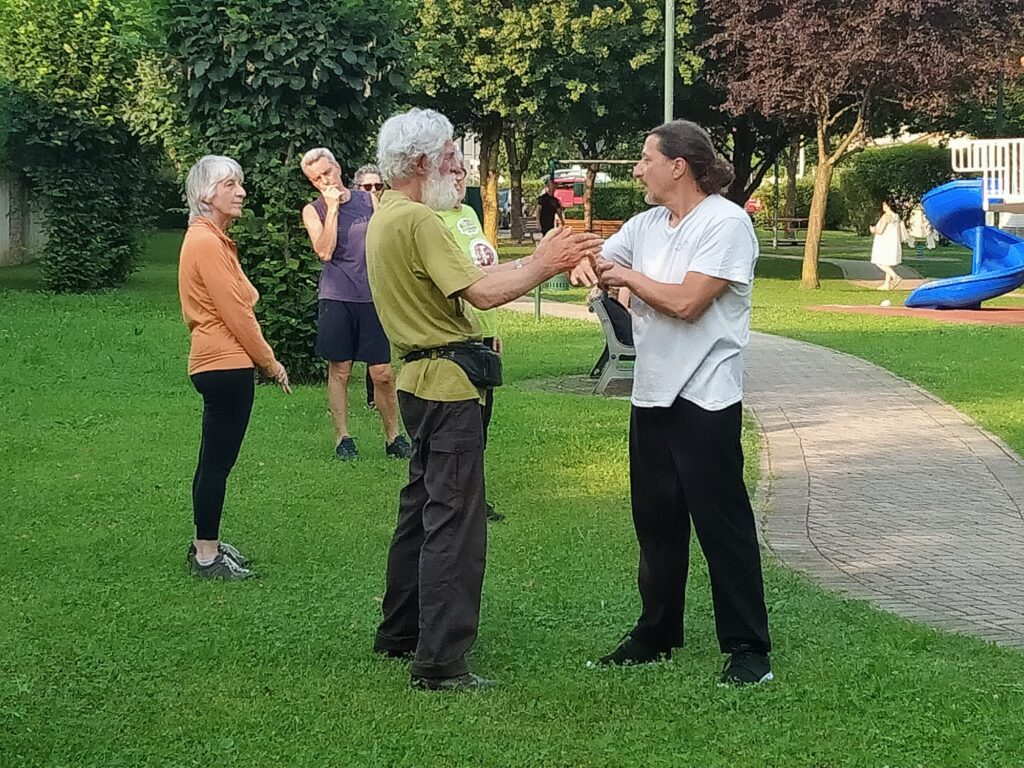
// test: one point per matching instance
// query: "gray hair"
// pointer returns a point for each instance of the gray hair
(202, 181)
(405, 137)
(315, 154)
(367, 170)
(687, 140)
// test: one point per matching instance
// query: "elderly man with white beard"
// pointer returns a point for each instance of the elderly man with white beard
(421, 280)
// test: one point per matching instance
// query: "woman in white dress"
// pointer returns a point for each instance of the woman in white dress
(887, 248)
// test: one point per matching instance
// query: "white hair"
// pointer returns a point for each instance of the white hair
(202, 181)
(366, 170)
(404, 138)
(315, 154)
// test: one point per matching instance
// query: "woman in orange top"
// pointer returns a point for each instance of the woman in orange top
(217, 301)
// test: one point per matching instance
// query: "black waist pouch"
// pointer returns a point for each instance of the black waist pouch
(481, 363)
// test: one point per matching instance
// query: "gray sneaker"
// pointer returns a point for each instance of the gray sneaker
(225, 549)
(221, 569)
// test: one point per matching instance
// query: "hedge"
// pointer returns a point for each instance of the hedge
(836, 216)
(900, 174)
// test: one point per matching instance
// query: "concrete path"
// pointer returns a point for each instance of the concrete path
(863, 273)
(876, 489)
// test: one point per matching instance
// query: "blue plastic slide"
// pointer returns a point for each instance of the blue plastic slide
(955, 210)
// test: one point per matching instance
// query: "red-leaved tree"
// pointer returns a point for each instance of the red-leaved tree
(841, 64)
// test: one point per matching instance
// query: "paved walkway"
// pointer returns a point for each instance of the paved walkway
(878, 490)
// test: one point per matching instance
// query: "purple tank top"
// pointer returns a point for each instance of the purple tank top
(343, 278)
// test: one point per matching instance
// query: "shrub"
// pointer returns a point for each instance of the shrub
(900, 174)
(326, 76)
(67, 68)
(616, 201)
(835, 210)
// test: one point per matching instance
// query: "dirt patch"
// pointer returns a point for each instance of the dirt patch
(985, 316)
(578, 385)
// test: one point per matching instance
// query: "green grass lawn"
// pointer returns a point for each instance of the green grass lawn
(111, 656)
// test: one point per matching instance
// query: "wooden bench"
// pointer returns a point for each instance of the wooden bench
(603, 228)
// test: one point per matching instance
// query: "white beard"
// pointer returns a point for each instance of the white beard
(440, 193)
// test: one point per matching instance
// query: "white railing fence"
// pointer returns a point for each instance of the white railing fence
(1000, 163)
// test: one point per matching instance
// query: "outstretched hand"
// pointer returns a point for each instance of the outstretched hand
(562, 249)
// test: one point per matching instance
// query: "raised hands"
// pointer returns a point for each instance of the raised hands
(562, 249)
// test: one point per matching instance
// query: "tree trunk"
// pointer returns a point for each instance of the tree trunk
(19, 216)
(518, 161)
(816, 221)
(792, 158)
(490, 143)
(588, 197)
(744, 143)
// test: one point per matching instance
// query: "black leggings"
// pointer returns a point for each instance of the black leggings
(227, 403)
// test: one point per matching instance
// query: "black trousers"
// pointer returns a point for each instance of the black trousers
(686, 463)
(436, 562)
(227, 404)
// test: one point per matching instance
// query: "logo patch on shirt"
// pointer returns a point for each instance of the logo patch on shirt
(483, 252)
(467, 227)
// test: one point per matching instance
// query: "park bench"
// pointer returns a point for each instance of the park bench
(619, 355)
(603, 228)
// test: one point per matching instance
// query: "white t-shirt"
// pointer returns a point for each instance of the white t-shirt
(700, 361)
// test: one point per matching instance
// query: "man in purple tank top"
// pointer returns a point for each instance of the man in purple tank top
(349, 329)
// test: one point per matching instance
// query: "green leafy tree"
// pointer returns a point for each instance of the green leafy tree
(263, 81)
(612, 76)
(848, 67)
(67, 67)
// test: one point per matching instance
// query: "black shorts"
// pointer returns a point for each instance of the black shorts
(350, 330)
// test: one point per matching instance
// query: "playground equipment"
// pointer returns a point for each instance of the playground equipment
(959, 210)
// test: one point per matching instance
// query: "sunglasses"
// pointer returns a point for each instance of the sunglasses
(372, 187)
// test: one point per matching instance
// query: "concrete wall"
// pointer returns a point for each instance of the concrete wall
(31, 235)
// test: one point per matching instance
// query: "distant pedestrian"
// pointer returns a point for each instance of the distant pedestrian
(887, 248)
(549, 209)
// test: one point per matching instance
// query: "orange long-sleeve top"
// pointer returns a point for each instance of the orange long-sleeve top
(217, 302)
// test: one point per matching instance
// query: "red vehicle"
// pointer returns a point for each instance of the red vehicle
(753, 207)
(566, 188)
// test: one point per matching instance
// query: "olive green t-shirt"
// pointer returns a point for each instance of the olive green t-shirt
(416, 269)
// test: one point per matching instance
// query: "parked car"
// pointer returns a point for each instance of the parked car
(504, 208)
(753, 207)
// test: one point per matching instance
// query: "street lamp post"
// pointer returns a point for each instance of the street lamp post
(670, 57)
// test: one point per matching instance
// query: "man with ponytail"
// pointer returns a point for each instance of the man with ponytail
(689, 265)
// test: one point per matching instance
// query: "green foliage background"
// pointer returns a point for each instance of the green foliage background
(263, 81)
(900, 174)
(66, 68)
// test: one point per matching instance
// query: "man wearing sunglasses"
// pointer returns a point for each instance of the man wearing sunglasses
(368, 179)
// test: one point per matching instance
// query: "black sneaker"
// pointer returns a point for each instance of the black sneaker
(346, 449)
(399, 448)
(466, 682)
(632, 652)
(225, 549)
(221, 569)
(745, 668)
(492, 515)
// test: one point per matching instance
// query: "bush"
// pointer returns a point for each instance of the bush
(66, 73)
(615, 201)
(326, 76)
(835, 209)
(900, 174)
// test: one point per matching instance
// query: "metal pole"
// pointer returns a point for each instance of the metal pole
(670, 59)
(775, 205)
(536, 303)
